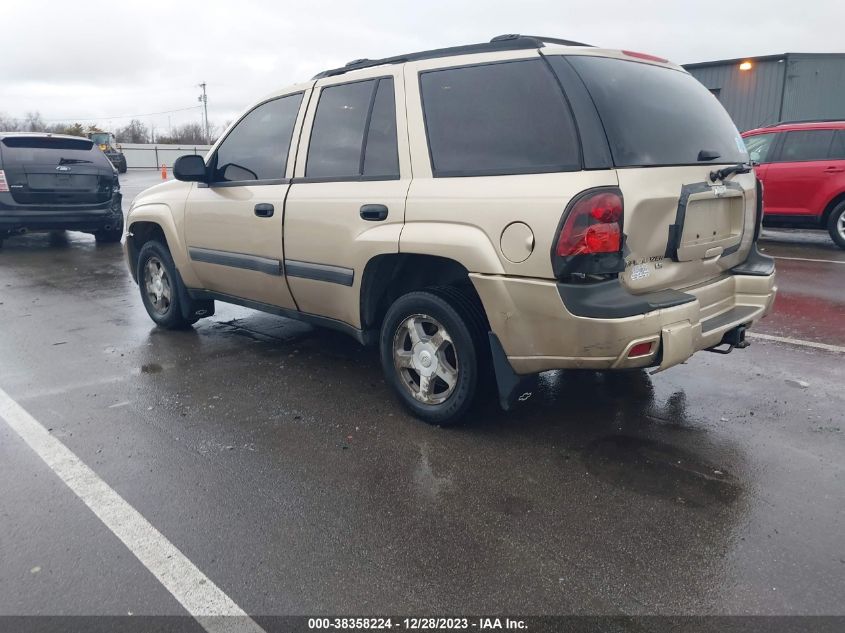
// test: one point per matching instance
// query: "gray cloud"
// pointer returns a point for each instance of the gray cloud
(98, 59)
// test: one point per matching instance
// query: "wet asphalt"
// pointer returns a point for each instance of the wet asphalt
(274, 457)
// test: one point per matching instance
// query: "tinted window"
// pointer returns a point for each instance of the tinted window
(257, 148)
(657, 116)
(381, 157)
(808, 145)
(759, 146)
(35, 150)
(837, 150)
(338, 133)
(498, 119)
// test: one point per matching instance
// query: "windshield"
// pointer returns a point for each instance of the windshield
(656, 116)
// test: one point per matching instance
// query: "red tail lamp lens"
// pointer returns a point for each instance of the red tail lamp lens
(4, 186)
(592, 226)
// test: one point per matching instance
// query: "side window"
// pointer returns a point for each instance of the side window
(809, 145)
(837, 149)
(354, 132)
(759, 146)
(498, 119)
(257, 148)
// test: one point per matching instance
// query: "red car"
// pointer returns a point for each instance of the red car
(802, 167)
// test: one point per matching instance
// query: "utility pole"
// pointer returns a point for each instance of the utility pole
(203, 98)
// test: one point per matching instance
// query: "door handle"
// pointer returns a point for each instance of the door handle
(374, 212)
(264, 210)
(834, 170)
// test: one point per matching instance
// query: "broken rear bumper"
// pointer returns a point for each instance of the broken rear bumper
(540, 328)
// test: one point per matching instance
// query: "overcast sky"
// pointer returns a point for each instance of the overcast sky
(91, 61)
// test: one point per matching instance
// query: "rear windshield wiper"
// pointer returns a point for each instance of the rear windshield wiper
(724, 172)
(72, 161)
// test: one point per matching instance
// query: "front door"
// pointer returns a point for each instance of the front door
(347, 201)
(234, 225)
(794, 183)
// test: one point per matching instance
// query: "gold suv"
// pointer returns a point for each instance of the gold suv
(485, 211)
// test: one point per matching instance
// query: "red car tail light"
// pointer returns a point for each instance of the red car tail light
(4, 186)
(640, 349)
(592, 226)
(646, 56)
(590, 239)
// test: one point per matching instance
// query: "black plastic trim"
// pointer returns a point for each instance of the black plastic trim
(320, 272)
(737, 314)
(244, 183)
(365, 337)
(756, 265)
(236, 260)
(676, 230)
(307, 179)
(513, 388)
(610, 300)
(595, 148)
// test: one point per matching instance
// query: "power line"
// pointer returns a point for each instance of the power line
(123, 116)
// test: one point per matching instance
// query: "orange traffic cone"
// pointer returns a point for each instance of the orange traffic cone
(163, 171)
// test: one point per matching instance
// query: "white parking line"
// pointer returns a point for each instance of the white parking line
(807, 259)
(797, 341)
(213, 609)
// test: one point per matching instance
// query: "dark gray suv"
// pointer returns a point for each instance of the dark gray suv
(54, 182)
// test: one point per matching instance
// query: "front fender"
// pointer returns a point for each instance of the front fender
(160, 214)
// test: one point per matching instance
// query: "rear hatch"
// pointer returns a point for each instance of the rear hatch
(53, 172)
(666, 134)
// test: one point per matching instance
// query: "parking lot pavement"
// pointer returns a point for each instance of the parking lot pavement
(274, 458)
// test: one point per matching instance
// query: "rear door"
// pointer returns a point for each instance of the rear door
(797, 180)
(46, 173)
(347, 202)
(233, 225)
(667, 132)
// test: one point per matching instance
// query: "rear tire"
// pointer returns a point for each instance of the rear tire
(836, 225)
(159, 285)
(433, 353)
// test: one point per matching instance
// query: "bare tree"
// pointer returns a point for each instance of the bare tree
(33, 122)
(8, 124)
(133, 132)
(189, 133)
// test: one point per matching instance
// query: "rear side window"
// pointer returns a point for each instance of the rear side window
(491, 119)
(257, 148)
(354, 132)
(656, 116)
(805, 145)
(50, 151)
(759, 146)
(837, 150)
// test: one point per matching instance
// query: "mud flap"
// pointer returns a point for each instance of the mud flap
(675, 346)
(199, 308)
(513, 388)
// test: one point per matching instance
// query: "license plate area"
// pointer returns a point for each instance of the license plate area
(710, 221)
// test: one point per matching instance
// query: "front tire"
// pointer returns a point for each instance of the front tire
(836, 225)
(432, 347)
(158, 281)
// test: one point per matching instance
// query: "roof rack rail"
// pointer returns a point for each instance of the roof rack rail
(806, 121)
(498, 43)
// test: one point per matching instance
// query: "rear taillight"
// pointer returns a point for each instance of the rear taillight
(4, 186)
(594, 225)
(590, 237)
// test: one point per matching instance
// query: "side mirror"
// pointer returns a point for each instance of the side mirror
(190, 168)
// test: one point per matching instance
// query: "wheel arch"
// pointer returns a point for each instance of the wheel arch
(155, 221)
(387, 277)
(835, 202)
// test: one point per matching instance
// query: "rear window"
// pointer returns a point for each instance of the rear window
(24, 150)
(656, 116)
(505, 118)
